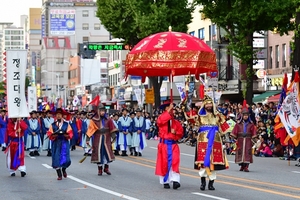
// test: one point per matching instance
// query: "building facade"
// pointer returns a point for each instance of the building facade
(65, 25)
(3, 25)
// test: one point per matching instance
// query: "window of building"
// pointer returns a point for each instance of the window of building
(95, 13)
(16, 38)
(7, 43)
(97, 26)
(192, 33)
(85, 13)
(214, 29)
(85, 26)
(277, 56)
(85, 39)
(271, 57)
(7, 32)
(283, 55)
(7, 37)
(201, 33)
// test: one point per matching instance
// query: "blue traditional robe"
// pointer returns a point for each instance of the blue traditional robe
(47, 143)
(73, 125)
(139, 140)
(33, 141)
(84, 128)
(60, 145)
(115, 145)
(124, 124)
(3, 127)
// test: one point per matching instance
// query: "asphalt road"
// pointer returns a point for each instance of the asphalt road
(133, 179)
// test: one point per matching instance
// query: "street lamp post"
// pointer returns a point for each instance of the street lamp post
(57, 74)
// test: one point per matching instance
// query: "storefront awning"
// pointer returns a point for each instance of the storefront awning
(274, 98)
(262, 97)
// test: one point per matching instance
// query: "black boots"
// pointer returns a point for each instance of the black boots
(116, 152)
(100, 170)
(176, 185)
(106, 170)
(203, 183)
(64, 172)
(49, 154)
(210, 185)
(124, 153)
(59, 174)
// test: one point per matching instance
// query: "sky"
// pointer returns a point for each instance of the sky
(11, 10)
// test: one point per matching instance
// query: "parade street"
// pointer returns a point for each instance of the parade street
(133, 179)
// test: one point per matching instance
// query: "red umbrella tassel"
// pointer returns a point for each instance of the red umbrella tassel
(201, 91)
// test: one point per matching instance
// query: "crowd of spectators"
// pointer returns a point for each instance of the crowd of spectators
(266, 144)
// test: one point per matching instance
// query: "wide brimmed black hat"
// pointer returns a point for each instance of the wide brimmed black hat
(166, 104)
(101, 107)
(33, 112)
(61, 111)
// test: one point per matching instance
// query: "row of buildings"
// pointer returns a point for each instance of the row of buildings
(71, 54)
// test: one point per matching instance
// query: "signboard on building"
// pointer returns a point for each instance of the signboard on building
(43, 26)
(62, 22)
(108, 47)
(258, 42)
(259, 64)
(34, 18)
(83, 3)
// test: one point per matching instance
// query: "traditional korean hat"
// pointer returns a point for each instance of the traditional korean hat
(245, 110)
(33, 112)
(3, 110)
(166, 104)
(61, 111)
(207, 99)
(101, 107)
(138, 110)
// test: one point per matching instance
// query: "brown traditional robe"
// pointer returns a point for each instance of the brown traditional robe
(101, 130)
(244, 141)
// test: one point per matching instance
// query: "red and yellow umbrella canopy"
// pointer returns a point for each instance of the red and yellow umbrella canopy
(170, 53)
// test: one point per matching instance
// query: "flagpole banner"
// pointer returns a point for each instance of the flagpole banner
(289, 112)
(16, 62)
(181, 90)
(32, 98)
(139, 98)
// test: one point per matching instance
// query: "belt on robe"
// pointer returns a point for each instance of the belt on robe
(169, 144)
(211, 137)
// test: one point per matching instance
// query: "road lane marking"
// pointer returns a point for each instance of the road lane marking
(209, 196)
(190, 155)
(102, 189)
(235, 184)
(32, 157)
(297, 172)
(230, 177)
(96, 187)
(47, 166)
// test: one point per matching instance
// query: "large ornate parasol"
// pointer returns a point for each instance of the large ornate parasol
(170, 54)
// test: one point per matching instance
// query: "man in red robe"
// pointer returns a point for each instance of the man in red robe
(168, 155)
(244, 131)
(15, 150)
(102, 129)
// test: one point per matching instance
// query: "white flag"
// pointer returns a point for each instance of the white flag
(32, 99)
(181, 90)
(16, 62)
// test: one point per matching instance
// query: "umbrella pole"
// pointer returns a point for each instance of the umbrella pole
(171, 87)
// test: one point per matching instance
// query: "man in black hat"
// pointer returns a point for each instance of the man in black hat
(125, 127)
(33, 143)
(244, 131)
(3, 128)
(138, 133)
(170, 131)
(102, 129)
(60, 132)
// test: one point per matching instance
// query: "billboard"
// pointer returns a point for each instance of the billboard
(35, 18)
(62, 22)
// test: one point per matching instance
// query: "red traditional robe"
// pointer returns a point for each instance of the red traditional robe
(15, 149)
(165, 138)
(79, 126)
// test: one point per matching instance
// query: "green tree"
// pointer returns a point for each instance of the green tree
(240, 19)
(133, 20)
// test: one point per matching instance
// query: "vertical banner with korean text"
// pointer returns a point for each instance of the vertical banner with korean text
(16, 61)
(181, 90)
(32, 98)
